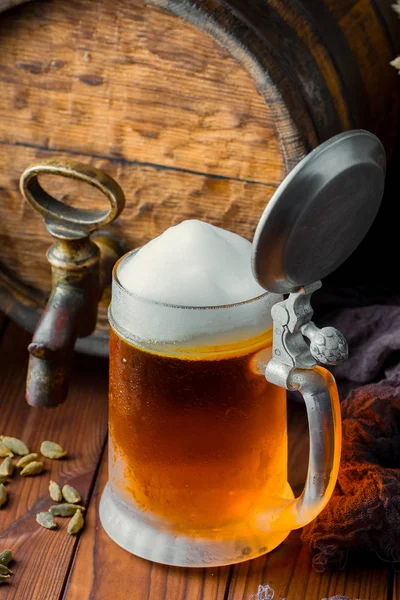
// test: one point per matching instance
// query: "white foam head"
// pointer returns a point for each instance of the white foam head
(193, 264)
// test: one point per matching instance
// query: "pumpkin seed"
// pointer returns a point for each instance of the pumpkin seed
(32, 468)
(3, 496)
(4, 578)
(6, 557)
(55, 491)
(52, 450)
(71, 495)
(76, 523)
(46, 519)
(25, 460)
(7, 467)
(5, 570)
(16, 445)
(65, 510)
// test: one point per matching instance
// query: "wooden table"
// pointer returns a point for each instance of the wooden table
(51, 565)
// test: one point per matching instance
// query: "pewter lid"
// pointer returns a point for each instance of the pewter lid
(320, 212)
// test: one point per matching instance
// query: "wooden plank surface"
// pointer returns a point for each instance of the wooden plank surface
(287, 570)
(50, 565)
(42, 557)
(103, 570)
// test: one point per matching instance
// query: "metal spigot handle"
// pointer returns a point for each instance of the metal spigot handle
(65, 221)
(80, 270)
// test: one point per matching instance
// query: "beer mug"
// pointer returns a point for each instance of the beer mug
(197, 407)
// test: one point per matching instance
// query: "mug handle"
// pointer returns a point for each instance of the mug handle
(319, 391)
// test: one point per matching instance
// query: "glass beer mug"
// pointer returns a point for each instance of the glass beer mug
(198, 427)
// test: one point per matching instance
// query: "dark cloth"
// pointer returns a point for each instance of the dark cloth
(364, 511)
(373, 335)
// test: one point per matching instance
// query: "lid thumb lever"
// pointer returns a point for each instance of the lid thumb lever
(291, 323)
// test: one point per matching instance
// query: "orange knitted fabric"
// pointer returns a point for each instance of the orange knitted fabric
(364, 511)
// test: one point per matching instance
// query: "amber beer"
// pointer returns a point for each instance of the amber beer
(198, 438)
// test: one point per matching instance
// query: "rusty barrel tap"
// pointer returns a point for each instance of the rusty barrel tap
(81, 268)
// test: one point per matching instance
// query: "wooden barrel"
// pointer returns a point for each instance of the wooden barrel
(197, 107)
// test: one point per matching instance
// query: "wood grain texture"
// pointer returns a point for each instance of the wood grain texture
(332, 77)
(351, 33)
(232, 204)
(50, 565)
(297, 17)
(198, 110)
(363, 38)
(127, 80)
(102, 83)
(42, 557)
(103, 570)
(288, 569)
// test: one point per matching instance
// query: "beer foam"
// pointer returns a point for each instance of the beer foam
(190, 287)
(192, 264)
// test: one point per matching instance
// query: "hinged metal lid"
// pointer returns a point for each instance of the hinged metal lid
(320, 212)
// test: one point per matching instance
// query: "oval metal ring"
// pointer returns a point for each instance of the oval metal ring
(56, 213)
